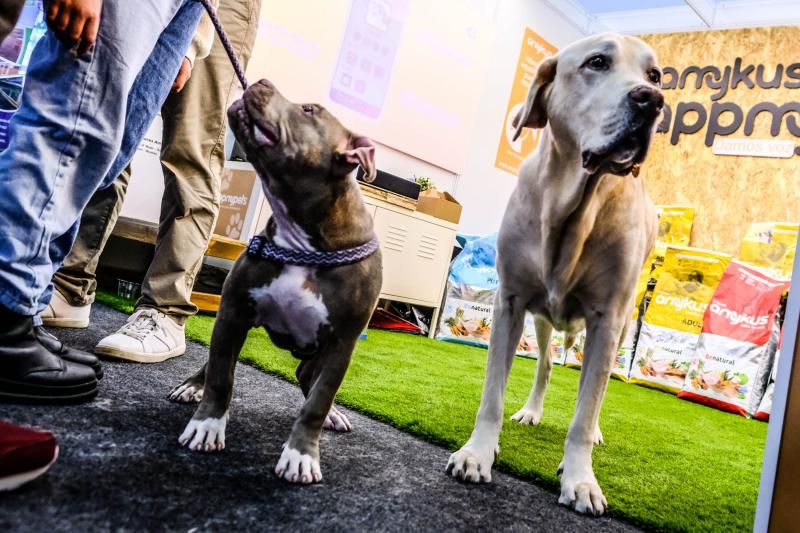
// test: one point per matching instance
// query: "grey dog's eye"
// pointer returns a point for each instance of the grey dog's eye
(655, 76)
(598, 62)
(308, 110)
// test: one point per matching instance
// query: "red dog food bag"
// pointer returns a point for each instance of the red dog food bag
(733, 357)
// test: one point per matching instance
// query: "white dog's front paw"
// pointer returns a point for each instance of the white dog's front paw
(598, 436)
(582, 493)
(527, 417)
(336, 421)
(296, 467)
(206, 435)
(470, 464)
(186, 393)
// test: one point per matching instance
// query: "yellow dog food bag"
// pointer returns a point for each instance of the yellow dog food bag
(674, 224)
(674, 318)
(769, 248)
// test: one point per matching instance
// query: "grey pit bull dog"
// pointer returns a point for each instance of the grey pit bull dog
(306, 160)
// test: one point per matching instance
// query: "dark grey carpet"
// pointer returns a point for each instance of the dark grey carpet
(121, 467)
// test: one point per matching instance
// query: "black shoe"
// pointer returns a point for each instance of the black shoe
(52, 343)
(29, 372)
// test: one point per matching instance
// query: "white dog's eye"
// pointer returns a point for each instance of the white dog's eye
(655, 76)
(308, 110)
(598, 62)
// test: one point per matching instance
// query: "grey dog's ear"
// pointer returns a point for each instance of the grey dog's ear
(361, 152)
(534, 115)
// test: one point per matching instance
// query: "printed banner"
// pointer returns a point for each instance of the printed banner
(510, 153)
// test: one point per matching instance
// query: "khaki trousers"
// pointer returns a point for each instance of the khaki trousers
(192, 156)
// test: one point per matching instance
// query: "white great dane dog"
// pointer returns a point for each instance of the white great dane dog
(574, 238)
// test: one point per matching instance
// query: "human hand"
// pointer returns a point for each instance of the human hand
(183, 75)
(74, 22)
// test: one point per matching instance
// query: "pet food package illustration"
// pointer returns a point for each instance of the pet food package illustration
(469, 299)
(674, 316)
(674, 225)
(769, 247)
(573, 356)
(732, 362)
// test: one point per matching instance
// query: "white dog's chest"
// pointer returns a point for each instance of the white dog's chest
(288, 305)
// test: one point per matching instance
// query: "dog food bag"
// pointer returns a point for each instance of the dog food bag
(622, 361)
(765, 405)
(466, 316)
(731, 365)
(557, 352)
(674, 224)
(574, 354)
(769, 247)
(674, 317)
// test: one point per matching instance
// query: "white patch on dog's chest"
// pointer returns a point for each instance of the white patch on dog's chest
(288, 307)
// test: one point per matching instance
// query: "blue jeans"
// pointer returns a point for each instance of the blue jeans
(79, 124)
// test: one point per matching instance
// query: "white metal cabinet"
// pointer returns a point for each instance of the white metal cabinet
(416, 255)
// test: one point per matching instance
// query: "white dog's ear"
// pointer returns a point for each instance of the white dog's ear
(534, 115)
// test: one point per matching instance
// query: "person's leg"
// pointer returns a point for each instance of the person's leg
(75, 280)
(9, 14)
(63, 141)
(192, 157)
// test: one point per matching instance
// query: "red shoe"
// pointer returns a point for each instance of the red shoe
(25, 454)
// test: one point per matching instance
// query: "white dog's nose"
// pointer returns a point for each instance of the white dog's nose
(647, 100)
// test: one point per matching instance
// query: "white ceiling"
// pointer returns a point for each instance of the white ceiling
(664, 16)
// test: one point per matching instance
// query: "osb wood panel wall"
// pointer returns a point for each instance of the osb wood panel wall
(728, 192)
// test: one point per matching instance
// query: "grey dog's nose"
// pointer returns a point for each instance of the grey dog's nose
(648, 100)
(266, 83)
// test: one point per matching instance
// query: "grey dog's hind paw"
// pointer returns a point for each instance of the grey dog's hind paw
(336, 421)
(187, 392)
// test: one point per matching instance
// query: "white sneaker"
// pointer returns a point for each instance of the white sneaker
(60, 313)
(148, 336)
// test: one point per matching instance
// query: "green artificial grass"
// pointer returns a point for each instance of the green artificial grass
(667, 464)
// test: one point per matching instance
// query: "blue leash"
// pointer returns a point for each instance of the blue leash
(226, 43)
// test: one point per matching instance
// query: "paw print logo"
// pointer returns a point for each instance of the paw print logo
(227, 177)
(234, 228)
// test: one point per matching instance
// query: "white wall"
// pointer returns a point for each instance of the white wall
(482, 189)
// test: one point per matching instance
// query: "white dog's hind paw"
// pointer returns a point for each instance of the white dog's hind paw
(186, 393)
(527, 417)
(584, 496)
(598, 436)
(336, 421)
(296, 467)
(470, 466)
(206, 435)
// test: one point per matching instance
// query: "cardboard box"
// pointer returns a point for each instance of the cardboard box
(440, 205)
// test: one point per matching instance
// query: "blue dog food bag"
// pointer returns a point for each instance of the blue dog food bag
(471, 286)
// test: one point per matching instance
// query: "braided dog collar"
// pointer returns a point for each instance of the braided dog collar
(266, 249)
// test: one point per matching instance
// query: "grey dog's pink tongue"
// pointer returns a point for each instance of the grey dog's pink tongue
(262, 137)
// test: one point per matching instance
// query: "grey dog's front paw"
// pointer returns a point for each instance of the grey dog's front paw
(206, 435)
(297, 467)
